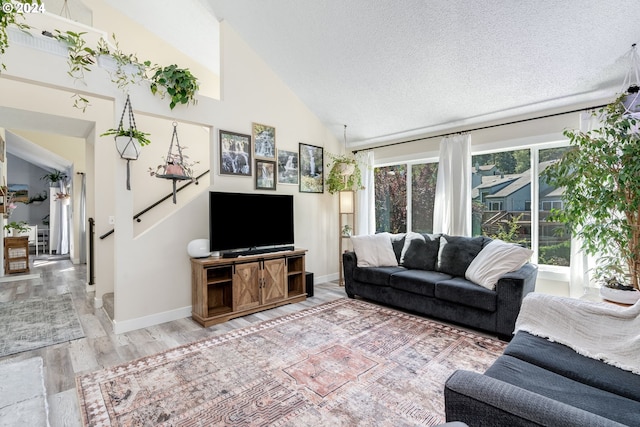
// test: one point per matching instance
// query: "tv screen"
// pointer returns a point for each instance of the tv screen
(241, 221)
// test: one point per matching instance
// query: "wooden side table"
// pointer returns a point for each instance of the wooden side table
(16, 254)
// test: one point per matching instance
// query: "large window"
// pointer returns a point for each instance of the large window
(503, 199)
(501, 196)
(391, 198)
(399, 186)
(423, 195)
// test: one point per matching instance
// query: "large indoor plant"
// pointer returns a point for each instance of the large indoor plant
(601, 181)
(344, 173)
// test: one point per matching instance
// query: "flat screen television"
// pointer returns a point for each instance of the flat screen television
(244, 223)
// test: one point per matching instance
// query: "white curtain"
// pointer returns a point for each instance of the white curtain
(452, 207)
(365, 204)
(580, 265)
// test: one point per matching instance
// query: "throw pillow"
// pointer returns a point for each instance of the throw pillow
(407, 241)
(374, 250)
(495, 260)
(457, 252)
(397, 241)
(422, 254)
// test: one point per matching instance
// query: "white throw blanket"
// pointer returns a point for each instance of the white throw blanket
(598, 330)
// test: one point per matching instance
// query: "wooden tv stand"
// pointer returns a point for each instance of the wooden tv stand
(226, 288)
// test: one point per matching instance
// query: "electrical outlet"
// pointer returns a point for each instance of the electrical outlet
(112, 220)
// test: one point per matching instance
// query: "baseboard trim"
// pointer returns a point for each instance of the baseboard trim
(120, 327)
(328, 278)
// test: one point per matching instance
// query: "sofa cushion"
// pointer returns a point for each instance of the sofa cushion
(494, 260)
(375, 275)
(417, 281)
(409, 237)
(422, 254)
(457, 252)
(549, 384)
(374, 250)
(464, 292)
(564, 361)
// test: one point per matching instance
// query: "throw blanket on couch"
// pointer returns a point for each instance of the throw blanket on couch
(600, 331)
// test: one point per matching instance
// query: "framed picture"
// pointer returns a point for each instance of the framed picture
(287, 167)
(235, 153)
(264, 141)
(20, 192)
(265, 175)
(311, 168)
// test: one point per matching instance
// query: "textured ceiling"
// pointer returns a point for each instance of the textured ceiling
(394, 69)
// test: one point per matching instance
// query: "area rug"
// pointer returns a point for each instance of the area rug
(37, 322)
(23, 401)
(343, 363)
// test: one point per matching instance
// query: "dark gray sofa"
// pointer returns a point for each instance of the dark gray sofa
(537, 382)
(445, 295)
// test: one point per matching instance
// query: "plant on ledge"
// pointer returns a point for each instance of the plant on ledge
(179, 83)
(10, 15)
(17, 227)
(601, 180)
(344, 173)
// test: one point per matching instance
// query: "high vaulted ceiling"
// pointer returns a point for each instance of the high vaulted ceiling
(396, 69)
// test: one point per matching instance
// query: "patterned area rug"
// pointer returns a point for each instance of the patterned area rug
(346, 362)
(37, 322)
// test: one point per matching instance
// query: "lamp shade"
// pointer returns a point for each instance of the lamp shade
(346, 202)
(198, 248)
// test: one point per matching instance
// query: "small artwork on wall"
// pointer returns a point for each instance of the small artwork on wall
(264, 141)
(20, 192)
(311, 168)
(265, 175)
(235, 153)
(287, 167)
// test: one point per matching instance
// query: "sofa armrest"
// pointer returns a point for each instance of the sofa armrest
(511, 290)
(477, 399)
(349, 263)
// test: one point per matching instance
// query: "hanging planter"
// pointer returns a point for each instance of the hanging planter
(128, 140)
(177, 166)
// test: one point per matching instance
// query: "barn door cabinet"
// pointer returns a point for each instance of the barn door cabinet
(226, 288)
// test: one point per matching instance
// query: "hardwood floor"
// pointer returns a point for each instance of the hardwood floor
(101, 348)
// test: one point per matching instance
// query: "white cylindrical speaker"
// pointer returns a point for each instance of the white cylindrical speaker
(198, 248)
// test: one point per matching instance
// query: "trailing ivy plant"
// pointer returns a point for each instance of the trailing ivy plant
(129, 69)
(178, 83)
(11, 14)
(337, 179)
(80, 59)
(601, 180)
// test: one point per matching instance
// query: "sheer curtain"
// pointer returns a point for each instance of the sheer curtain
(366, 206)
(579, 277)
(452, 207)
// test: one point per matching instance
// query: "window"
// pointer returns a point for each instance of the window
(501, 196)
(391, 198)
(554, 241)
(423, 195)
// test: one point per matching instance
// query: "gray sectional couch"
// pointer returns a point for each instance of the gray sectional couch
(537, 382)
(430, 280)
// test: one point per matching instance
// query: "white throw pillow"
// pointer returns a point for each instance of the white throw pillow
(374, 250)
(495, 260)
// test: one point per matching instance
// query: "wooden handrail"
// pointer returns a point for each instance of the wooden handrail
(137, 216)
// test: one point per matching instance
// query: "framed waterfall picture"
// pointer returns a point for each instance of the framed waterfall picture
(311, 168)
(287, 167)
(264, 141)
(235, 153)
(265, 175)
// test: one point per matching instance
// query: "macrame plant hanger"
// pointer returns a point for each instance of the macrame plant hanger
(128, 147)
(174, 166)
(631, 83)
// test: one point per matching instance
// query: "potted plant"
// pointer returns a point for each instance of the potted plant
(38, 198)
(15, 228)
(124, 68)
(123, 137)
(344, 173)
(179, 83)
(55, 177)
(80, 58)
(601, 181)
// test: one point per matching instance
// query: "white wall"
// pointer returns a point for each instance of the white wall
(22, 172)
(146, 266)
